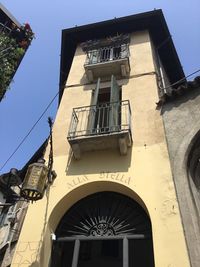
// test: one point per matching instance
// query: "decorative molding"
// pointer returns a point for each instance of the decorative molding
(104, 214)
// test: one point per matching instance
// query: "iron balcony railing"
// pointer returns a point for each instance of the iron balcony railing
(105, 118)
(109, 53)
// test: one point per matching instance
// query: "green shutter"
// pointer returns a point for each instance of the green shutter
(94, 56)
(93, 110)
(95, 93)
(114, 108)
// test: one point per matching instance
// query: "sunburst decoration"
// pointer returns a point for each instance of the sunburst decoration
(104, 214)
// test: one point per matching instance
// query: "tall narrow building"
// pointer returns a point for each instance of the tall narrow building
(114, 201)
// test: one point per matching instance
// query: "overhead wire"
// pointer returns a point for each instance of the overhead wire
(29, 132)
(40, 117)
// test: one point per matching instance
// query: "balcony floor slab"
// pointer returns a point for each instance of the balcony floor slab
(120, 140)
(119, 68)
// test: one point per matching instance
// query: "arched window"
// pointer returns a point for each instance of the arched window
(104, 229)
(194, 163)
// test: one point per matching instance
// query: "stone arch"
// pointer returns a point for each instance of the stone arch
(87, 189)
(107, 219)
(75, 195)
(192, 162)
(104, 213)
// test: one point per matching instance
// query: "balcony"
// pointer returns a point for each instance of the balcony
(107, 61)
(100, 127)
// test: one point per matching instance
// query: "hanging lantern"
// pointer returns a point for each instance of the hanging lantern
(35, 181)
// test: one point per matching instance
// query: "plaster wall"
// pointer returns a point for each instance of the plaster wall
(181, 120)
(144, 173)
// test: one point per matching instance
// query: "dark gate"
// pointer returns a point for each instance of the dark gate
(105, 229)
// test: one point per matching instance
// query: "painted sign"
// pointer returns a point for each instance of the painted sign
(105, 175)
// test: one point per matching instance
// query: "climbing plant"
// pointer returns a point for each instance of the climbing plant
(13, 45)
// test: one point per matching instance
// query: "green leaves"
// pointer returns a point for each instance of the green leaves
(10, 56)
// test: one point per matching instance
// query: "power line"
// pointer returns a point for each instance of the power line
(31, 129)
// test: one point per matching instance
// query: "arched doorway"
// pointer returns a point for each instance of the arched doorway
(104, 229)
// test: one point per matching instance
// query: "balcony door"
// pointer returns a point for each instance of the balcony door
(105, 111)
(105, 229)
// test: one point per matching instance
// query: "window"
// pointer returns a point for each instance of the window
(194, 164)
(105, 109)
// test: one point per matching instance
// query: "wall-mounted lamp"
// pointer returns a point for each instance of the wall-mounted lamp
(35, 181)
(38, 175)
(37, 178)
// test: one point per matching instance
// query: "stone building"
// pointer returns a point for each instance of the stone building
(180, 114)
(127, 187)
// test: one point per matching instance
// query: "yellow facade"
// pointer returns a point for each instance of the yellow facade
(143, 174)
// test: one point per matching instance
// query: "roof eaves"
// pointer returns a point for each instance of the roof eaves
(183, 89)
(152, 20)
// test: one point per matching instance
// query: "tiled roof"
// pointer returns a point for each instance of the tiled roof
(184, 88)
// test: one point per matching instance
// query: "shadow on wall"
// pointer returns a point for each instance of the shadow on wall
(99, 161)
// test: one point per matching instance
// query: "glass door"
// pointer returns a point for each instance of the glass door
(107, 251)
(100, 253)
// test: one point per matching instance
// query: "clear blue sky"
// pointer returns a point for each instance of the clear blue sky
(36, 81)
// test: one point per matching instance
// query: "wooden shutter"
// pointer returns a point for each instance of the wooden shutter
(95, 93)
(114, 105)
(94, 57)
(93, 110)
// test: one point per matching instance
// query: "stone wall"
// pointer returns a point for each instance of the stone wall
(181, 118)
